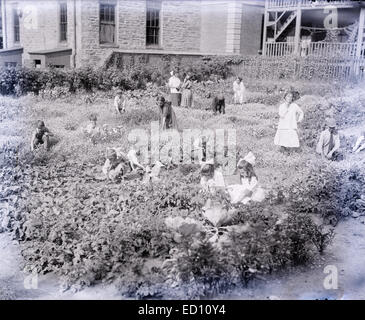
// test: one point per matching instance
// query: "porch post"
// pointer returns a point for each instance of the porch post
(360, 36)
(298, 25)
(234, 21)
(4, 22)
(266, 19)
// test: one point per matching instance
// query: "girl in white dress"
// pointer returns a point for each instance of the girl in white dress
(249, 188)
(242, 92)
(237, 90)
(290, 114)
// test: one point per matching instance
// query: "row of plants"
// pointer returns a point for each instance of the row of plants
(136, 72)
(160, 239)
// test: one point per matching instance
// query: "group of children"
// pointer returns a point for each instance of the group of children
(245, 190)
(117, 164)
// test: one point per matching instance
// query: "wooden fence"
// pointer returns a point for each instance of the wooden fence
(343, 69)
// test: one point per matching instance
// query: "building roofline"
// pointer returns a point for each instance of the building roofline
(49, 51)
(180, 53)
(11, 50)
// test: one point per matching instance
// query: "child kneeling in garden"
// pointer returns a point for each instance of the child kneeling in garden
(40, 136)
(249, 188)
(116, 165)
(211, 177)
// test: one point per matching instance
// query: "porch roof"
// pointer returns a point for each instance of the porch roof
(11, 50)
(50, 51)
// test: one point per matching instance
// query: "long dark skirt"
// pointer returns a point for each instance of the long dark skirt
(187, 98)
(175, 99)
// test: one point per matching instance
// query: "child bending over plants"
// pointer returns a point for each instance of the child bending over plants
(41, 136)
(249, 188)
(119, 103)
(219, 104)
(211, 177)
(116, 164)
(133, 160)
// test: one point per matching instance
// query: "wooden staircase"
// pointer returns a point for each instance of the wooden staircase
(286, 24)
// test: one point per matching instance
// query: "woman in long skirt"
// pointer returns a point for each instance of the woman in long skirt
(187, 94)
(290, 114)
(167, 115)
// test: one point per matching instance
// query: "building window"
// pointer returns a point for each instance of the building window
(153, 23)
(16, 25)
(63, 21)
(37, 64)
(107, 22)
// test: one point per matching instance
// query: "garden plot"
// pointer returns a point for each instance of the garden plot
(89, 231)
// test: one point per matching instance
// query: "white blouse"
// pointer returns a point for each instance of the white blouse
(289, 116)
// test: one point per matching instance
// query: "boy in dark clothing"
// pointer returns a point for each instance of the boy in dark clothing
(40, 136)
(219, 104)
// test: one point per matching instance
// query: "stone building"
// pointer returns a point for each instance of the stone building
(73, 33)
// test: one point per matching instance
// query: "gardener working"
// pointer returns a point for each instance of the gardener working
(116, 164)
(40, 136)
(167, 115)
(133, 160)
(219, 104)
(119, 102)
(329, 142)
(249, 188)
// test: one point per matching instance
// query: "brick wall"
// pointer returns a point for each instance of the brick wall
(181, 22)
(130, 30)
(180, 31)
(214, 27)
(190, 26)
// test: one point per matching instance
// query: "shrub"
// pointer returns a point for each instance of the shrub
(332, 193)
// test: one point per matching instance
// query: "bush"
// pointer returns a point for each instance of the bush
(333, 194)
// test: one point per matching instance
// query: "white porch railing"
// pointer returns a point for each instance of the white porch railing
(278, 49)
(304, 3)
(320, 49)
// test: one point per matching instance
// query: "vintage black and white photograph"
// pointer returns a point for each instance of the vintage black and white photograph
(182, 150)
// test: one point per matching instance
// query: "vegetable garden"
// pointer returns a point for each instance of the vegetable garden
(155, 240)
